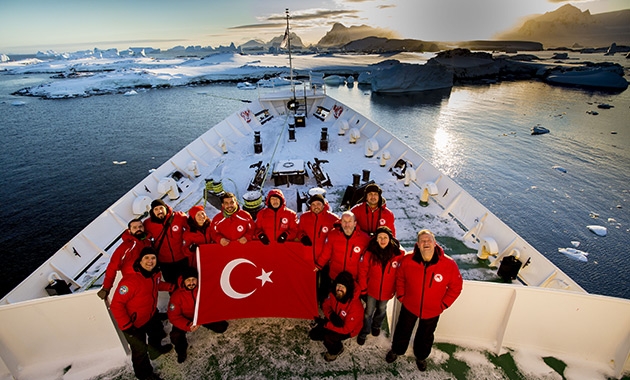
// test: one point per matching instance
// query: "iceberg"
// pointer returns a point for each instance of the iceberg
(597, 79)
(598, 230)
(405, 77)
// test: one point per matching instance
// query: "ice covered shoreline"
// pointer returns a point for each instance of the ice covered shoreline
(402, 72)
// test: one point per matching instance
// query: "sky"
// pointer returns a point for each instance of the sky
(28, 26)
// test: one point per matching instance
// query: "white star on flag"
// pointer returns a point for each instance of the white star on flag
(265, 277)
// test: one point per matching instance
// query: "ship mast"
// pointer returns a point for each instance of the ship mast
(287, 37)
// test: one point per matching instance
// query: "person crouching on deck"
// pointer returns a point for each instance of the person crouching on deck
(343, 317)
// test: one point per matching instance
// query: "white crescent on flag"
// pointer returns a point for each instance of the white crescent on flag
(226, 286)
(225, 279)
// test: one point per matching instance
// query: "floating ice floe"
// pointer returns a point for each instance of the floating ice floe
(119, 162)
(245, 86)
(559, 168)
(130, 93)
(18, 103)
(574, 254)
(539, 130)
(598, 230)
(575, 243)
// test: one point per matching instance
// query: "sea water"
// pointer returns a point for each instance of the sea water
(58, 172)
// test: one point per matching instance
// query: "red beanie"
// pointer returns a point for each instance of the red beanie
(194, 210)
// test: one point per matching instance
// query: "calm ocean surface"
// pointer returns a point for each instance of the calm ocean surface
(56, 159)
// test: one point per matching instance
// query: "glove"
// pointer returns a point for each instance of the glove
(263, 238)
(193, 248)
(103, 293)
(306, 241)
(282, 238)
(335, 319)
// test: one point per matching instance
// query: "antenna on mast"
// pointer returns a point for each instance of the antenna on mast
(287, 39)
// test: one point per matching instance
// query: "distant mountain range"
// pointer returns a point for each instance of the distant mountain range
(568, 26)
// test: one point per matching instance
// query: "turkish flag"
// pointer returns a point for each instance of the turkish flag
(253, 280)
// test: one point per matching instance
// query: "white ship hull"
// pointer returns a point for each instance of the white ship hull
(543, 310)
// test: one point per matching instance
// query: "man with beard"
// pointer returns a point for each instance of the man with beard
(314, 226)
(344, 247)
(372, 212)
(134, 238)
(377, 279)
(343, 314)
(232, 223)
(134, 307)
(167, 227)
(181, 311)
(427, 283)
(276, 221)
(198, 232)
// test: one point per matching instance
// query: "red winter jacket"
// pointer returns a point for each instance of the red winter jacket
(351, 313)
(369, 220)
(275, 222)
(123, 257)
(343, 253)
(181, 306)
(170, 234)
(317, 227)
(135, 300)
(232, 227)
(427, 289)
(197, 235)
(376, 281)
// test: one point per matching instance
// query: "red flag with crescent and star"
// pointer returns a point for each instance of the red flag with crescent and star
(253, 280)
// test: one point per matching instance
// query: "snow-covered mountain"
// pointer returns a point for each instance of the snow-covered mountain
(568, 26)
(340, 35)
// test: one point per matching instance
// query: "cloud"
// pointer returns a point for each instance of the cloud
(257, 26)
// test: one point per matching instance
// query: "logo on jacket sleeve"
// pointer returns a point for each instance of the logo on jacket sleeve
(382, 222)
(123, 290)
(395, 264)
(343, 313)
(357, 249)
(325, 229)
(438, 277)
(171, 306)
(175, 228)
(240, 228)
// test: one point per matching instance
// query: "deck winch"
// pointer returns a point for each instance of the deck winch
(253, 202)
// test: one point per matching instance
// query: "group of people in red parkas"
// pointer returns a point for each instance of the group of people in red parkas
(359, 262)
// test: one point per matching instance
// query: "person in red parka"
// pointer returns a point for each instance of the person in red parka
(232, 223)
(197, 233)
(167, 228)
(344, 247)
(314, 226)
(133, 240)
(181, 312)
(372, 212)
(343, 315)
(377, 279)
(134, 306)
(427, 283)
(276, 221)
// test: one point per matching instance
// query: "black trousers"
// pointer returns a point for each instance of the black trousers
(333, 341)
(422, 341)
(172, 271)
(178, 336)
(137, 339)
